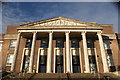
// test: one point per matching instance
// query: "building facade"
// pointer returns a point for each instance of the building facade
(60, 45)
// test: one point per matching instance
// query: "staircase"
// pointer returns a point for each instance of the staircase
(60, 76)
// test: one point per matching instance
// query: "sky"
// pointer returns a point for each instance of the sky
(15, 13)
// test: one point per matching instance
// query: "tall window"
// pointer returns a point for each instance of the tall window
(59, 43)
(28, 43)
(107, 44)
(12, 44)
(110, 62)
(59, 64)
(44, 43)
(75, 56)
(75, 43)
(76, 64)
(9, 60)
(92, 61)
(42, 64)
(26, 60)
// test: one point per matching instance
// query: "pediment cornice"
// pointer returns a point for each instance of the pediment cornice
(60, 21)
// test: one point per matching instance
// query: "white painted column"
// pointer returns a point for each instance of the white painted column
(49, 54)
(87, 68)
(32, 52)
(67, 53)
(16, 52)
(102, 49)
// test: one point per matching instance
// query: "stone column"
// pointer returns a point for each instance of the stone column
(16, 52)
(67, 53)
(102, 49)
(32, 52)
(49, 54)
(87, 68)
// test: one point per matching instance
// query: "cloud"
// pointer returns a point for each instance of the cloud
(103, 13)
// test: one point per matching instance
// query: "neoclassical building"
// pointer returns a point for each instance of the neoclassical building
(60, 45)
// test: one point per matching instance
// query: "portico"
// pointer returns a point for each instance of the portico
(65, 51)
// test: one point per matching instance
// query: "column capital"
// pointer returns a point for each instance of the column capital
(67, 32)
(34, 32)
(83, 32)
(50, 32)
(99, 33)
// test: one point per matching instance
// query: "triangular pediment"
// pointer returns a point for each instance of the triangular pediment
(60, 21)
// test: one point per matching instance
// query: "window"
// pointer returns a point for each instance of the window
(12, 44)
(90, 44)
(110, 62)
(44, 43)
(9, 60)
(75, 44)
(42, 64)
(28, 43)
(107, 44)
(110, 59)
(26, 60)
(76, 64)
(59, 64)
(92, 61)
(59, 43)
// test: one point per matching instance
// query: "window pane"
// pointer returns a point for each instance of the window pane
(107, 44)
(42, 63)
(59, 64)
(12, 44)
(93, 65)
(59, 43)
(28, 43)
(44, 44)
(75, 44)
(76, 64)
(90, 44)
(9, 60)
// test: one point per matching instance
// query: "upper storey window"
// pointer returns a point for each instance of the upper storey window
(44, 43)
(28, 43)
(90, 44)
(75, 43)
(59, 43)
(12, 44)
(107, 44)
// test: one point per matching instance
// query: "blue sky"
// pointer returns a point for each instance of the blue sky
(15, 13)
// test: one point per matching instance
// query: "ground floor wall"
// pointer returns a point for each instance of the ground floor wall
(22, 45)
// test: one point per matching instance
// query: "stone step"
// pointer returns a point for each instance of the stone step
(61, 76)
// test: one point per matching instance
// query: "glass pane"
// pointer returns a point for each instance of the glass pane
(93, 65)
(59, 43)
(76, 64)
(9, 59)
(26, 63)
(90, 44)
(42, 63)
(107, 44)
(12, 44)
(59, 64)
(44, 44)
(75, 44)
(28, 43)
